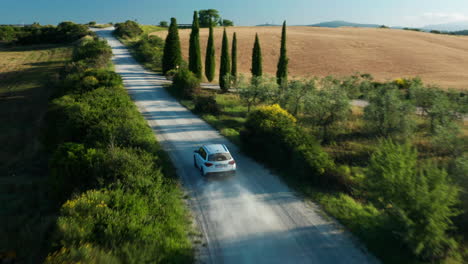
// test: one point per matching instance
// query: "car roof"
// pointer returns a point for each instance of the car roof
(216, 148)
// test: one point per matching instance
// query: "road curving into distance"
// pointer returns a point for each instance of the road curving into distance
(252, 217)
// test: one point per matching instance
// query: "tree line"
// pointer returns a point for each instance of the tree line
(172, 57)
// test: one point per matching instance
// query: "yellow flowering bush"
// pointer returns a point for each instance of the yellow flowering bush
(271, 134)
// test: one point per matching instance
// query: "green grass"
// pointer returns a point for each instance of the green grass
(26, 82)
(147, 29)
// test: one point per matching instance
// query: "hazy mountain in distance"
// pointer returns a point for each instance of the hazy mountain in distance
(454, 26)
(267, 25)
(338, 23)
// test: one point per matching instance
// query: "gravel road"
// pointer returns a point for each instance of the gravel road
(252, 217)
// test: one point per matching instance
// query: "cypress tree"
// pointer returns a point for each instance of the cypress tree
(195, 64)
(172, 56)
(257, 58)
(225, 67)
(234, 56)
(210, 62)
(282, 71)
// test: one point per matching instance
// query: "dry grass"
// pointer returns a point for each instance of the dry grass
(27, 215)
(24, 74)
(385, 53)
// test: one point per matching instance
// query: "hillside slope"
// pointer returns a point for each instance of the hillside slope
(385, 53)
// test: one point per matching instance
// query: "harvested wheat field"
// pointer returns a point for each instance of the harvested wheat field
(385, 53)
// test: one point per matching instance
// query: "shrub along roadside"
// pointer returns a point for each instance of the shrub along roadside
(147, 49)
(122, 202)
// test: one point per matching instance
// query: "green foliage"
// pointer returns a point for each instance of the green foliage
(388, 115)
(89, 80)
(103, 142)
(282, 69)
(327, 108)
(226, 23)
(357, 86)
(293, 98)
(209, 17)
(95, 53)
(172, 57)
(7, 33)
(71, 169)
(195, 64)
(128, 29)
(257, 68)
(447, 140)
(441, 108)
(206, 105)
(149, 49)
(65, 32)
(128, 225)
(83, 253)
(163, 24)
(270, 130)
(210, 61)
(225, 67)
(234, 56)
(258, 90)
(185, 84)
(419, 199)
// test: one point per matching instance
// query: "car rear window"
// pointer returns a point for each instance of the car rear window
(219, 157)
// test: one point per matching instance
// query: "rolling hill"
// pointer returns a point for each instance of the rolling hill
(385, 53)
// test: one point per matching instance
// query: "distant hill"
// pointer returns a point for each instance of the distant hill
(268, 25)
(455, 26)
(338, 23)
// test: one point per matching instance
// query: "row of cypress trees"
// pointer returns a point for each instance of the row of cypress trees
(282, 67)
(172, 57)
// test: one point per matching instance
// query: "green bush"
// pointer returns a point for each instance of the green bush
(84, 253)
(128, 29)
(185, 84)
(129, 225)
(420, 199)
(207, 105)
(88, 80)
(271, 135)
(387, 114)
(96, 53)
(71, 169)
(327, 108)
(65, 32)
(149, 49)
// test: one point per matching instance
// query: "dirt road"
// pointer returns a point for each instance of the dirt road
(252, 217)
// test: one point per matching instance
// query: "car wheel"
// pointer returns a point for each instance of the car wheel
(202, 171)
(195, 162)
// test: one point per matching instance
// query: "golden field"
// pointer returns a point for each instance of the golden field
(385, 53)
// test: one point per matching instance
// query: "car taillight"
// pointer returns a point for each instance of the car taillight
(208, 164)
(232, 162)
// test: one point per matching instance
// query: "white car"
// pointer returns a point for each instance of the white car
(214, 158)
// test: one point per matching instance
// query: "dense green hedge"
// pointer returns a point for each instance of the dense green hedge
(272, 136)
(122, 204)
(128, 29)
(65, 32)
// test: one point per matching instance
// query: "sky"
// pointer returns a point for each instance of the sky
(413, 13)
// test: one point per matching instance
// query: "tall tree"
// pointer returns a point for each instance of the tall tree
(195, 64)
(210, 62)
(209, 17)
(172, 57)
(282, 71)
(234, 56)
(257, 58)
(225, 67)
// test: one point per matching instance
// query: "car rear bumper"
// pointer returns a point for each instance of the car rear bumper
(228, 169)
